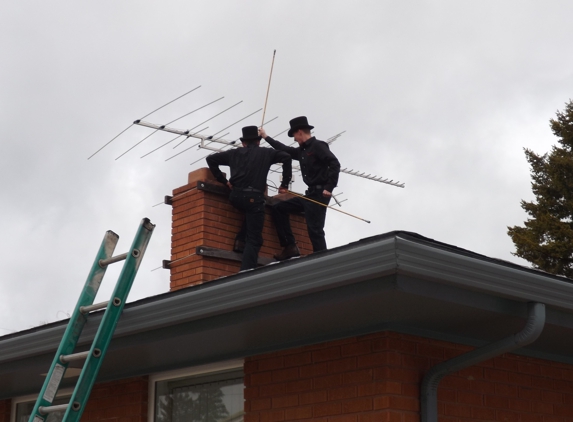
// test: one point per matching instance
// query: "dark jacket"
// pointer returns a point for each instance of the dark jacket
(318, 164)
(250, 166)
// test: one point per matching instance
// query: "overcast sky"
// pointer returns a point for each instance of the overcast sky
(441, 95)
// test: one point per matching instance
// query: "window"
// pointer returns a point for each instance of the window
(214, 397)
(24, 410)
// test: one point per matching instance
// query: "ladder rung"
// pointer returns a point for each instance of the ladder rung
(51, 409)
(88, 309)
(117, 258)
(74, 356)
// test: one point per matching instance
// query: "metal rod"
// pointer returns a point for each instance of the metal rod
(218, 114)
(327, 206)
(157, 109)
(161, 127)
(117, 258)
(240, 120)
(44, 410)
(94, 307)
(116, 136)
(268, 88)
(232, 143)
(188, 92)
(178, 136)
(197, 109)
(74, 356)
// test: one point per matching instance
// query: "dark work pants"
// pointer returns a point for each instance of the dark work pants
(253, 205)
(315, 216)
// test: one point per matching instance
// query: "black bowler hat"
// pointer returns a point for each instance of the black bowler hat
(298, 123)
(250, 133)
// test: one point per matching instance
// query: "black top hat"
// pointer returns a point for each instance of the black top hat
(250, 133)
(298, 123)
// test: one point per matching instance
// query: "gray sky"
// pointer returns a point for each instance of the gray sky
(442, 95)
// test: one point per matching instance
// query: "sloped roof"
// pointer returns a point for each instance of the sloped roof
(397, 281)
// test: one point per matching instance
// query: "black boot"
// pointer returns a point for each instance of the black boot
(289, 251)
(239, 246)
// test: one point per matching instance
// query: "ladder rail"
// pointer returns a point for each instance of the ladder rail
(108, 323)
(75, 326)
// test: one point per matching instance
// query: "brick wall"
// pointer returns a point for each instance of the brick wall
(5, 406)
(377, 378)
(204, 218)
(118, 401)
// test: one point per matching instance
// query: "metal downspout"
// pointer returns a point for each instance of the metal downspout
(429, 389)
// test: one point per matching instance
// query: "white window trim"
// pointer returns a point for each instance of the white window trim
(186, 372)
(64, 392)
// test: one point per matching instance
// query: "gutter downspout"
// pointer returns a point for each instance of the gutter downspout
(429, 389)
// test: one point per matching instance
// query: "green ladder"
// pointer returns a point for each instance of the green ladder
(94, 357)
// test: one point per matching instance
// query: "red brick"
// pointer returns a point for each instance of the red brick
(268, 390)
(272, 416)
(531, 418)
(342, 365)
(326, 409)
(552, 397)
(284, 401)
(506, 390)
(285, 374)
(297, 359)
(519, 379)
(495, 375)
(298, 413)
(313, 397)
(482, 413)
(362, 376)
(381, 402)
(529, 393)
(405, 403)
(343, 418)
(430, 350)
(529, 368)
(327, 382)
(507, 416)
(540, 407)
(519, 405)
(381, 416)
(359, 348)
(447, 394)
(466, 397)
(565, 410)
(357, 405)
(342, 393)
(260, 404)
(313, 370)
(269, 364)
(298, 386)
(326, 354)
(497, 402)
(379, 387)
(459, 410)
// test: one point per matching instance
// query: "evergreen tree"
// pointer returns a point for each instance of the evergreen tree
(547, 238)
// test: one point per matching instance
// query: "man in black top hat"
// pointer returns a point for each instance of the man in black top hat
(249, 169)
(320, 169)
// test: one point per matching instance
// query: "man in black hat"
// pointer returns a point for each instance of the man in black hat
(249, 169)
(320, 169)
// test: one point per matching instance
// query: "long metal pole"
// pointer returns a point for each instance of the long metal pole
(327, 206)
(268, 88)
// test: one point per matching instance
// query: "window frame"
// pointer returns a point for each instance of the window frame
(185, 372)
(62, 393)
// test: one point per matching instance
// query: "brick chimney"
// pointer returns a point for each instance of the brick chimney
(204, 225)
